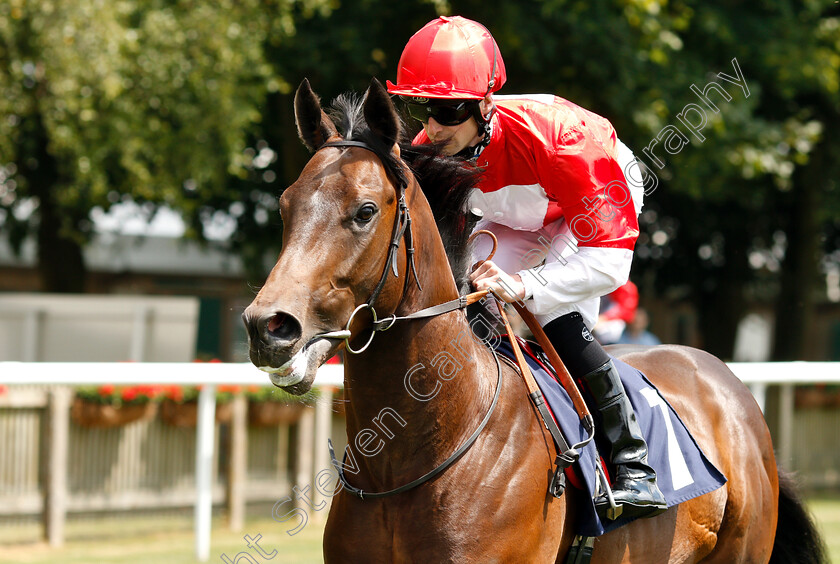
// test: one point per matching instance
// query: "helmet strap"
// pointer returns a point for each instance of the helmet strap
(472, 153)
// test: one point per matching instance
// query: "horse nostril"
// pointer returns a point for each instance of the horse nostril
(284, 327)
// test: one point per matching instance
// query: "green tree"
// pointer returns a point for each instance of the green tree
(189, 104)
(106, 101)
(338, 47)
(737, 216)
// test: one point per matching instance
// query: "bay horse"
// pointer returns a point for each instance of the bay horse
(351, 247)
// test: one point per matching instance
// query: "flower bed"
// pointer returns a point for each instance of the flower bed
(179, 407)
(109, 406)
(270, 406)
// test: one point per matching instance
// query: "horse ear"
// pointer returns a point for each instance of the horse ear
(380, 114)
(313, 124)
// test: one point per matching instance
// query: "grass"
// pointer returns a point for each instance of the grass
(826, 511)
(164, 541)
(170, 540)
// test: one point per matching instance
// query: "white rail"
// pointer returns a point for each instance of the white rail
(757, 375)
(206, 374)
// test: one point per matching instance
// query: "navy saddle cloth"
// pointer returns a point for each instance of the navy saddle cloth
(682, 470)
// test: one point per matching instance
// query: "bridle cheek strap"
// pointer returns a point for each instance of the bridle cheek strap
(402, 228)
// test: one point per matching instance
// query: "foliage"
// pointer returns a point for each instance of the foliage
(225, 393)
(273, 394)
(189, 104)
(109, 394)
(102, 102)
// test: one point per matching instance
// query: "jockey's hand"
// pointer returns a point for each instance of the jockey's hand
(488, 276)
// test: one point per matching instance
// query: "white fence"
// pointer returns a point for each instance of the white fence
(314, 429)
(208, 375)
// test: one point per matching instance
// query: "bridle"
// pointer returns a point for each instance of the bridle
(566, 455)
(402, 228)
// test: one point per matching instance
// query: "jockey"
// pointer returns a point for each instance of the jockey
(554, 193)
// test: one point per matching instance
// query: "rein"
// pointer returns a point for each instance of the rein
(361, 494)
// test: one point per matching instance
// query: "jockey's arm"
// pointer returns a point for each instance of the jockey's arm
(590, 272)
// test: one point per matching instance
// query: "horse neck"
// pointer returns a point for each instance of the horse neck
(423, 386)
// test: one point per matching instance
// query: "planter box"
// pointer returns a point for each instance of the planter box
(186, 414)
(272, 413)
(105, 416)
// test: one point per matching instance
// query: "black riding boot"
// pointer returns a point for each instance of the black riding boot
(634, 486)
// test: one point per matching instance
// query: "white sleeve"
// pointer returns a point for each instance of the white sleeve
(591, 272)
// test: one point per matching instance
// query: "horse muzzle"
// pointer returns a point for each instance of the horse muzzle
(278, 348)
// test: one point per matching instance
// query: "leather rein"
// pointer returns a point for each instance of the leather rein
(402, 228)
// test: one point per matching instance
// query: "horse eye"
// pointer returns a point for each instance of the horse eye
(365, 213)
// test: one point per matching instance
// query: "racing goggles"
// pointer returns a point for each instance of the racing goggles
(445, 112)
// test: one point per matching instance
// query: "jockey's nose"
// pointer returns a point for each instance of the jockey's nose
(433, 128)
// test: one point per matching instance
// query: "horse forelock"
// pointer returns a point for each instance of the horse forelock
(445, 181)
(347, 112)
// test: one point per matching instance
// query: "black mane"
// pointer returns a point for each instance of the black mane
(445, 181)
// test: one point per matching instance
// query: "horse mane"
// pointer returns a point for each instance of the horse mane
(445, 181)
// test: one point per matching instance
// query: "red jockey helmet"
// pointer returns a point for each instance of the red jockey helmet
(450, 57)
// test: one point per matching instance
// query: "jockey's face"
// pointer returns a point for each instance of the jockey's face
(455, 137)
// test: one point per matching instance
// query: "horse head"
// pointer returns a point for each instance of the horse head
(338, 224)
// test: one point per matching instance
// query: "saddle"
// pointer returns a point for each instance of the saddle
(683, 471)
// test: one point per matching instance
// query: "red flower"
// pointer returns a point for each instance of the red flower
(129, 394)
(149, 391)
(3, 390)
(106, 390)
(175, 393)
